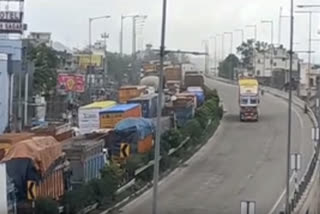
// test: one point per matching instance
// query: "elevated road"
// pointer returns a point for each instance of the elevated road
(242, 161)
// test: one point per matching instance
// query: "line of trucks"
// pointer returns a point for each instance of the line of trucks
(177, 78)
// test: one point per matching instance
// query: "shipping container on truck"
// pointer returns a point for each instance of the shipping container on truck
(89, 119)
(173, 73)
(130, 91)
(86, 158)
(148, 104)
(110, 117)
(192, 80)
(60, 131)
(249, 99)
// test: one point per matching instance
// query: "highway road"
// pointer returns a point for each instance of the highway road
(242, 161)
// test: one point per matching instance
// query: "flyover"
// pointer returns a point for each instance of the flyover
(242, 161)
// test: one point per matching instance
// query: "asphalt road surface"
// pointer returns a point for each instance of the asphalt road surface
(242, 161)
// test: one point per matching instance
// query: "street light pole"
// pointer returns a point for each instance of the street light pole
(255, 31)
(159, 111)
(215, 56)
(231, 40)
(287, 207)
(222, 47)
(90, 50)
(121, 35)
(271, 42)
(242, 34)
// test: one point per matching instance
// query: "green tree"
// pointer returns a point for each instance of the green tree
(46, 62)
(246, 50)
(118, 66)
(227, 67)
(46, 206)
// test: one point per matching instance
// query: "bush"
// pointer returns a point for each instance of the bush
(193, 129)
(172, 137)
(46, 206)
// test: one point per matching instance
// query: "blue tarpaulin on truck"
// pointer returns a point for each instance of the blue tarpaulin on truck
(198, 91)
(142, 127)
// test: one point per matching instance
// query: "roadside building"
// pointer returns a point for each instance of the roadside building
(272, 65)
(5, 92)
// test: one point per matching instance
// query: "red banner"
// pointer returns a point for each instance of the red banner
(71, 82)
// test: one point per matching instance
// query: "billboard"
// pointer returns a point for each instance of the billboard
(11, 19)
(71, 82)
(93, 60)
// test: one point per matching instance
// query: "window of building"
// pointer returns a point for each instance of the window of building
(259, 61)
(311, 82)
(275, 64)
(258, 72)
(283, 59)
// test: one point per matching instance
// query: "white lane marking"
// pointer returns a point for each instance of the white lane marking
(273, 209)
(275, 206)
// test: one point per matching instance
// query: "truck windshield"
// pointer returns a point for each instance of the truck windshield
(244, 101)
(253, 101)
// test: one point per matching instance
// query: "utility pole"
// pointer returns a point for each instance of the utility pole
(215, 56)
(271, 43)
(206, 59)
(105, 36)
(242, 34)
(159, 111)
(231, 41)
(222, 47)
(121, 35)
(287, 207)
(279, 33)
(89, 72)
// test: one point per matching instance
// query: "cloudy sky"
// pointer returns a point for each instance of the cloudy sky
(189, 21)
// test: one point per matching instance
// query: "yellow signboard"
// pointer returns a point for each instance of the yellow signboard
(93, 60)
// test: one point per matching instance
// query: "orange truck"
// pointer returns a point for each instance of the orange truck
(249, 99)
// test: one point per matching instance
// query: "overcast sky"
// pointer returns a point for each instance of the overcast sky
(189, 21)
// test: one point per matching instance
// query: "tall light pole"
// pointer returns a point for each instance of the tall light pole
(105, 36)
(222, 47)
(271, 25)
(242, 34)
(205, 43)
(134, 32)
(231, 40)
(121, 34)
(90, 48)
(280, 25)
(159, 110)
(255, 31)
(271, 42)
(287, 207)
